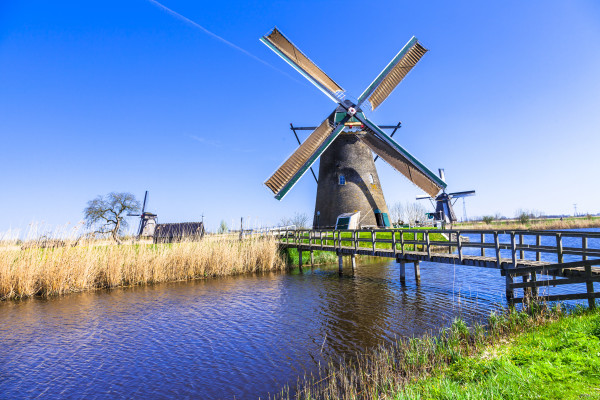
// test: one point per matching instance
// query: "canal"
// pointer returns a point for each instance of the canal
(239, 337)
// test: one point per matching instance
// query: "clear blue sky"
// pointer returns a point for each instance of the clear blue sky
(101, 96)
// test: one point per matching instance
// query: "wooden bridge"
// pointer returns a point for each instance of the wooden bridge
(525, 254)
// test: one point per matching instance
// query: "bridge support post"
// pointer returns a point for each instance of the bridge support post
(312, 259)
(510, 292)
(402, 272)
(300, 259)
(341, 263)
(417, 272)
(353, 262)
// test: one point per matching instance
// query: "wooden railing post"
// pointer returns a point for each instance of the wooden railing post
(459, 243)
(428, 244)
(538, 243)
(497, 246)
(321, 237)
(521, 252)
(584, 245)
(590, 286)
(482, 242)
(401, 242)
(559, 247)
(373, 237)
(513, 247)
(355, 242)
(394, 242)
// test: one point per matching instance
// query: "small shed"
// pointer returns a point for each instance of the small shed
(179, 232)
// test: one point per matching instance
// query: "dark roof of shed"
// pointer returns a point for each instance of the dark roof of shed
(179, 229)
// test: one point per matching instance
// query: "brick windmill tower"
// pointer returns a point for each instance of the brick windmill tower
(345, 142)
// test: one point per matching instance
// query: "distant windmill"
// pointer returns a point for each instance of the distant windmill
(344, 142)
(444, 202)
(147, 220)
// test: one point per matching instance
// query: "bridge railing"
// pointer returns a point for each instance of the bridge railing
(507, 247)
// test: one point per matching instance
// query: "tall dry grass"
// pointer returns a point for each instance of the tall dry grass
(39, 271)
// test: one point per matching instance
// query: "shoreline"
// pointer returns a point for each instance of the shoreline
(514, 354)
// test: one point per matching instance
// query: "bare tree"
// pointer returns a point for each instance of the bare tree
(107, 213)
(299, 219)
(407, 213)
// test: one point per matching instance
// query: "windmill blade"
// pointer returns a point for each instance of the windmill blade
(393, 73)
(300, 161)
(293, 56)
(145, 198)
(462, 194)
(134, 215)
(400, 159)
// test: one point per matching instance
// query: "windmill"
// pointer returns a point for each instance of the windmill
(147, 220)
(444, 202)
(345, 140)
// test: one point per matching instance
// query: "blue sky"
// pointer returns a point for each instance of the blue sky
(123, 96)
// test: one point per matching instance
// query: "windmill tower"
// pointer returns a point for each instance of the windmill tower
(147, 220)
(348, 180)
(444, 202)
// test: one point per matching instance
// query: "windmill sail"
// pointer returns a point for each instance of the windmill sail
(293, 56)
(401, 160)
(393, 73)
(300, 161)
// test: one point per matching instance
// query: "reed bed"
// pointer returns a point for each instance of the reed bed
(389, 372)
(47, 271)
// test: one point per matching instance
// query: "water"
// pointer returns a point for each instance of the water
(240, 337)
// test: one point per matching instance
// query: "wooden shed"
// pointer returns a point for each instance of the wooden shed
(179, 232)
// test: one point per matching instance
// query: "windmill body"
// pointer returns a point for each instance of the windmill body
(345, 141)
(444, 210)
(147, 220)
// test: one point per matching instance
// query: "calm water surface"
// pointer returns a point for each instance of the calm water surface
(240, 337)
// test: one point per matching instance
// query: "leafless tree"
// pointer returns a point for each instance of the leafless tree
(107, 213)
(299, 219)
(407, 212)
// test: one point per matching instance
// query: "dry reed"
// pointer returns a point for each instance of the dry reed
(39, 271)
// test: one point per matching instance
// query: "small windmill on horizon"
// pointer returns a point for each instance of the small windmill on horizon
(147, 220)
(444, 202)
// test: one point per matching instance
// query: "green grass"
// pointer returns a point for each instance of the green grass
(559, 360)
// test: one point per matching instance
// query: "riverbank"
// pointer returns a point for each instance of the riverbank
(38, 271)
(533, 224)
(544, 353)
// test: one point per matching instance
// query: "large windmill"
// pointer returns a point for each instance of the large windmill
(444, 202)
(147, 220)
(348, 180)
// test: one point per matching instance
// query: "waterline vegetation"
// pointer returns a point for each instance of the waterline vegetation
(47, 271)
(542, 352)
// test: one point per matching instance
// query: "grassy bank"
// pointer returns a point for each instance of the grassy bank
(534, 224)
(540, 354)
(39, 271)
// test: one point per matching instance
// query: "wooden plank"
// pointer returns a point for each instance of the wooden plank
(554, 282)
(560, 297)
(552, 267)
